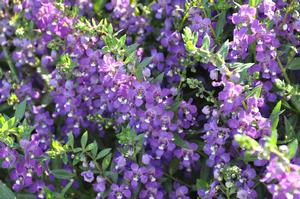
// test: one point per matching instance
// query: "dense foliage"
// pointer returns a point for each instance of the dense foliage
(149, 99)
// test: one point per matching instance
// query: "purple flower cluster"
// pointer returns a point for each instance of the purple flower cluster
(286, 177)
(66, 71)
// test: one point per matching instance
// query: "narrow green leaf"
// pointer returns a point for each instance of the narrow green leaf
(158, 79)
(223, 51)
(248, 157)
(98, 6)
(91, 146)
(103, 153)
(221, 23)
(84, 139)
(247, 142)
(293, 146)
(294, 64)
(62, 174)
(296, 102)
(11, 123)
(20, 110)
(240, 67)
(122, 40)
(205, 42)
(140, 67)
(275, 119)
(71, 140)
(110, 29)
(180, 142)
(254, 3)
(174, 166)
(76, 150)
(112, 175)
(176, 103)
(66, 188)
(94, 150)
(106, 162)
(25, 196)
(256, 91)
(289, 130)
(130, 49)
(5, 192)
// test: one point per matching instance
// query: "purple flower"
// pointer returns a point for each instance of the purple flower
(246, 14)
(99, 185)
(136, 175)
(180, 192)
(88, 176)
(119, 192)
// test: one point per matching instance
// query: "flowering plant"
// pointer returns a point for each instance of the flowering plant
(149, 99)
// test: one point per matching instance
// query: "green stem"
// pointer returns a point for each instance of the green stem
(183, 20)
(99, 168)
(227, 194)
(10, 64)
(283, 70)
(289, 9)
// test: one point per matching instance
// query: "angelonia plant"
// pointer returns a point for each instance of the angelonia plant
(152, 99)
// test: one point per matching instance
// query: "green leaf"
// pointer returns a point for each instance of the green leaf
(275, 119)
(71, 140)
(2, 120)
(110, 29)
(106, 162)
(51, 194)
(173, 166)
(180, 142)
(98, 5)
(256, 91)
(176, 103)
(132, 48)
(294, 64)
(84, 139)
(91, 146)
(20, 110)
(248, 157)
(62, 174)
(26, 130)
(158, 78)
(205, 42)
(122, 40)
(254, 3)
(103, 153)
(25, 196)
(66, 188)
(240, 67)
(224, 50)
(202, 184)
(5, 192)
(95, 149)
(205, 170)
(190, 39)
(221, 23)
(140, 67)
(11, 123)
(289, 130)
(76, 150)
(247, 142)
(112, 175)
(57, 146)
(293, 146)
(296, 102)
